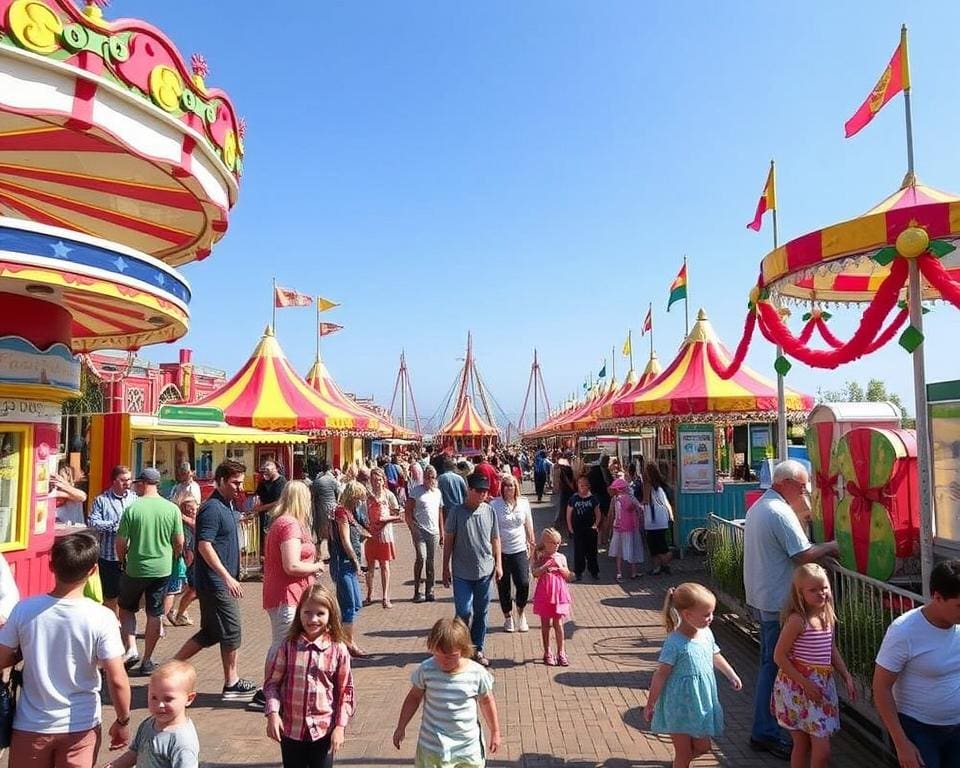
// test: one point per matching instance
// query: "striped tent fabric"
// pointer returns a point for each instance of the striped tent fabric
(466, 422)
(691, 387)
(269, 394)
(320, 379)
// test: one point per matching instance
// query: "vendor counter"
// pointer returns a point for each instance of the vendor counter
(694, 509)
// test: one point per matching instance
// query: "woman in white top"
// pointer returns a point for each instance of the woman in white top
(516, 543)
(657, 519)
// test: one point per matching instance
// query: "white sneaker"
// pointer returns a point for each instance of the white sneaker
(508, 625)
(522, 625)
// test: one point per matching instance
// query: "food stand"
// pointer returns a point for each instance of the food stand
(705, 423)
(117, 164)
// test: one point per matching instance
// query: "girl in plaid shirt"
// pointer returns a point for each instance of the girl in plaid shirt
(309, 690)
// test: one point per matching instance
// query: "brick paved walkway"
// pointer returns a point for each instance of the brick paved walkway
(583, 716)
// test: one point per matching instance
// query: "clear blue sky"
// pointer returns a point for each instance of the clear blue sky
(535, 172)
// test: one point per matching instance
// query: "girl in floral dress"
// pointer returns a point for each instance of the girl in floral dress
(683, 700)
(805, 692)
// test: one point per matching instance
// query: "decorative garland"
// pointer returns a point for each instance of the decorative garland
(727, 371)
(940, 279)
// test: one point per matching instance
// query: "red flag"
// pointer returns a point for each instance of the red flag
(287, 297)
(895, 78)
(327, 328)
(767, 201)
(647, 323)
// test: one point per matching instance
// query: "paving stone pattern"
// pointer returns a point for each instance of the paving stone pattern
(583, 716)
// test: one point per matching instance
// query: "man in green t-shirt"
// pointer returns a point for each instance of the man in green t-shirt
(149, 540)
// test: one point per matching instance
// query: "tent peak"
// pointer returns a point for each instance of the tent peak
(268, 331)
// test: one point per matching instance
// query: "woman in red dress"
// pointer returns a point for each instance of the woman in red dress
(383, 510)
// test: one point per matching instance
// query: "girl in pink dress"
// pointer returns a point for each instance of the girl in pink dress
(551, 600)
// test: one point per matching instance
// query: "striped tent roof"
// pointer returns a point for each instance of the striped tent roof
(589, 419)
(466, 422)
(320, 379)
(268, 393)
(690, 386)
(835, 263)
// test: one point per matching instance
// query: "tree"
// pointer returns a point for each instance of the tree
(853, 392)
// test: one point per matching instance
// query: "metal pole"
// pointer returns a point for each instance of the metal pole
(317, 329)
(686, 300)
(782, 451)
(535, 367)
(273, 301)
(630, 347)
(403, 394)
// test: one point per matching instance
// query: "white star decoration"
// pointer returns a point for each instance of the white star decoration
(60, 250)
(120, 264)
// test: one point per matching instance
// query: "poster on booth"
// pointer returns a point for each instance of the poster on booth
(697, 459)
(945, 436)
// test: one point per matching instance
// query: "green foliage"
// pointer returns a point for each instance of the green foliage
(853, 392)
(725, 563)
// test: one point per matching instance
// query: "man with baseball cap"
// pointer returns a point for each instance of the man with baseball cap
(471, 546)
(149, 537)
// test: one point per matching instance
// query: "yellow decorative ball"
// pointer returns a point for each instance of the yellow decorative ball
(912, 242)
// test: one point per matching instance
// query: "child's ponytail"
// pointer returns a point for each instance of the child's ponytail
(671, 618)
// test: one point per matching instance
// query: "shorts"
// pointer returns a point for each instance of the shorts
(152, 590)
(175, 585)
(219, 620)
(281, 619)
(427, 759)
(77, 749)
(657, 542)
(110, 573)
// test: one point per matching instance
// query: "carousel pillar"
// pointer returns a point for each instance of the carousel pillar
(37, 373)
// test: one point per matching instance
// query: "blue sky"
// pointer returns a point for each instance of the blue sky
(535, 172)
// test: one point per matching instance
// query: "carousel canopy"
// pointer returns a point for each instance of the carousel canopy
(466, 422)
(269, 394)
(691, 387)
(836, 264)
(320, 379)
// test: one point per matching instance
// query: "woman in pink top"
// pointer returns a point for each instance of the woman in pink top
(289, 566)
(625, 544)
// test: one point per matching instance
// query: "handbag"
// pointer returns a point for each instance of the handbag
(8, 706)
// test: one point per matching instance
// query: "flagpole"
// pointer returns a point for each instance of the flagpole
(317, 329)
(650, 311)
(782, 451)
(630, 347)
(613, 357)
(686, 300)
(919, 373)
(273, 301)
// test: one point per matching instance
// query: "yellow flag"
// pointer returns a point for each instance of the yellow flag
(627, 347)
(324, 304)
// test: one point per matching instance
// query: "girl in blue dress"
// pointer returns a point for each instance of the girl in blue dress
(682, 700)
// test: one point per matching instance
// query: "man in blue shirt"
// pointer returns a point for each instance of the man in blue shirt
(104, 520)
(540, 472)
(452, 486)
(216, 576)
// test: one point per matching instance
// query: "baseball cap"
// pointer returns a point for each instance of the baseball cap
(478, 482)
(149, 475)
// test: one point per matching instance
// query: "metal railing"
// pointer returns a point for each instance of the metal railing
(865, 608)
(248, 530)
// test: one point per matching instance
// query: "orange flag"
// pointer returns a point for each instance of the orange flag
(895, 78)
(767, 202)
(287, 297)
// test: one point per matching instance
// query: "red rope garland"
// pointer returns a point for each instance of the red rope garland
(807, 331)
(827, 334)
(940, 279)
(726, 372)
(890, 331)
(774, 329)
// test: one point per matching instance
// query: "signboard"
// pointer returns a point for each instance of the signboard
(944, 409)
(190, 413)
(761, 443)
(15, 409)
(696, 460)
(22, 363)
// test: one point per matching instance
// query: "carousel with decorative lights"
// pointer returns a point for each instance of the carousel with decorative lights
(118, 164)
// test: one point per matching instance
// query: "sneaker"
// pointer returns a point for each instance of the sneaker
(562, 660)
(431, 598)
(482, 660)
(131, 660)
(171, 617)
(522, 625)
(619, 577)
(417, 597)
(183, 620)
(549, 660)
(147, 668)
(258, 703)
(240, 690)
(508, 625)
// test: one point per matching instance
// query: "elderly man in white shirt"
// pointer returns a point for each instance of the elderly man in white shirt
(774, 543)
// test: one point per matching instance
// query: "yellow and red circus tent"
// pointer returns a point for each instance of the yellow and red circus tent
(588, 419)
(467, 428)
(691, 387)
(269, 394)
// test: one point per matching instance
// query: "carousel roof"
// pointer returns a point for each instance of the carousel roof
(466, 422)
(690, 386)
(320, 379)
(268, 393)
(836, 264)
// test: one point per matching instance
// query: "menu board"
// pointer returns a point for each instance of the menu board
(696, 458)
(945, 441)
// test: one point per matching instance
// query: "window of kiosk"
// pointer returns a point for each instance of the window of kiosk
(15, 486)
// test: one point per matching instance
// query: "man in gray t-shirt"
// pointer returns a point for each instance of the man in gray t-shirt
(472, 543)
(324, 492)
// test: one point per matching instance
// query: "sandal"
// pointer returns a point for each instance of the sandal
(549, 659)
(562, 660)
(387, 604)
(356, 652)
(182, 620)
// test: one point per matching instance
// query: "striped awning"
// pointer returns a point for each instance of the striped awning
(466, 422)
(320, 379)
(267, 393)
(691, 387)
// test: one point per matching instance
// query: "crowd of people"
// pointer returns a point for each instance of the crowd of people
(140, 551)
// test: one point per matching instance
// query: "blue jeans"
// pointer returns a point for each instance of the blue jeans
(939, 745)
(471, 598)
(765, 726)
